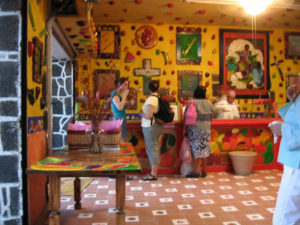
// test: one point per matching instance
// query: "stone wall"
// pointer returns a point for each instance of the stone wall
(62, 99)
(11, 200)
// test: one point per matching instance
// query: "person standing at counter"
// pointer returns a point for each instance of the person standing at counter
(287, 210)
(225, 108)
(118, 104)
(152, 131)
(199, 134)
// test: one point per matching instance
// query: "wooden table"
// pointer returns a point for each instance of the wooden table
(82, 163)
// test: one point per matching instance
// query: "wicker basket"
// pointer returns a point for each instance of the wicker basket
(111, 137)
(78, 139)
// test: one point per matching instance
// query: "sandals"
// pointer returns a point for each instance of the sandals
(149, 177)
(204, 174)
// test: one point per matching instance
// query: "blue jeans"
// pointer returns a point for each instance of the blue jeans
(123, 126)
(152, 138)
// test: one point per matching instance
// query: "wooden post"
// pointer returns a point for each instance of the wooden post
(77, 193)
(120, 193)
(54, 199)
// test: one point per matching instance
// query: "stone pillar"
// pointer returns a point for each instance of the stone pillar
(11, 183)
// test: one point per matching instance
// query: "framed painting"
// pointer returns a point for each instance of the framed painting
(109, 41)
(37, 61)
(188, 46)
(292, 45)
(244, 62)
(187, 83)
(104, 81)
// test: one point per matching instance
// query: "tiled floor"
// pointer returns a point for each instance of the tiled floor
(220, 198)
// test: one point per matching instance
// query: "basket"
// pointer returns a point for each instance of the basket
(111, 137)
(78, 139)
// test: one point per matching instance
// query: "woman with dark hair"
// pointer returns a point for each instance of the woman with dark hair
(199, 134)
(118, 100)
(152, 131)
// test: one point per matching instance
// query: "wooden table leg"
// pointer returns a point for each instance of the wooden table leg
(54, 199)
(77, 193)
(120, 193)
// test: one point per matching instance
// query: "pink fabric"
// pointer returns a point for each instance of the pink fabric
(79, 126)
(191, 114)
(111, 125)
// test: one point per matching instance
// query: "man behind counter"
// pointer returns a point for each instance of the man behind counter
(226, 109)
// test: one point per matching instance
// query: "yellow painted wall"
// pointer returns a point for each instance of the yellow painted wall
(36, 139)
(40, 13)
(210, 52)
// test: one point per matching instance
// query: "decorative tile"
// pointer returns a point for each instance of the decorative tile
(190, 186)
(112, 210)
(249, 203)
(150, 193)
(183, 207)
(261, 188)
(207, 201)
(131, 219)
(156, 185)
(208, 183)
(205, 215)
(171, 190)
(242, 184)
(99, 223)
(175, 182)
(70, 207)
(180, 222)
(238, 177)
(128, 197)
(85, 215)
(95, 182)
(65, 199)
(227, 196)
(89, 196)
(231, 223)
(112, 192)
(141, 204)
(224, 180)
(188, 195)
(275, 184)
(159, 212)
(245, 192)
(271, 210)
(229, 208)
(255, 217)
(136, 188)
(208, 191)
(166, 200)
(225, 187)
(101, 202)
(102, 187)
(270, 177)
(256, 180)
(267, 198)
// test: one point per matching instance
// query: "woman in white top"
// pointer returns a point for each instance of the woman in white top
(152, 131)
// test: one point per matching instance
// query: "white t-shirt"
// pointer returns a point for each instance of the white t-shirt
(226, 110)
(151, 100)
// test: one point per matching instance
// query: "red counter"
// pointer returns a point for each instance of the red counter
(226, 135)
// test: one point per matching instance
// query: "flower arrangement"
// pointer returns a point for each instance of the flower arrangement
(91, 102)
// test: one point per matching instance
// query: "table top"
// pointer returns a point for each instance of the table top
(72, 162)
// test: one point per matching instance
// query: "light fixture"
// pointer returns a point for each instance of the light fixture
(254, 7)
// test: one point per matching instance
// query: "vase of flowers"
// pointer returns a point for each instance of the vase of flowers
(91, 102)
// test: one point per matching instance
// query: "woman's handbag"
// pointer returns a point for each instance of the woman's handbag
(191, 114)
(185, 150)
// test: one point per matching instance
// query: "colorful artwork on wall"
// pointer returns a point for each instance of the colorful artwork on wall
(104, 80)
(187, 83)
(259, 140)
(292, 45)
(188, 47)
(109, 42)
(244, 61)
(37, 61)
